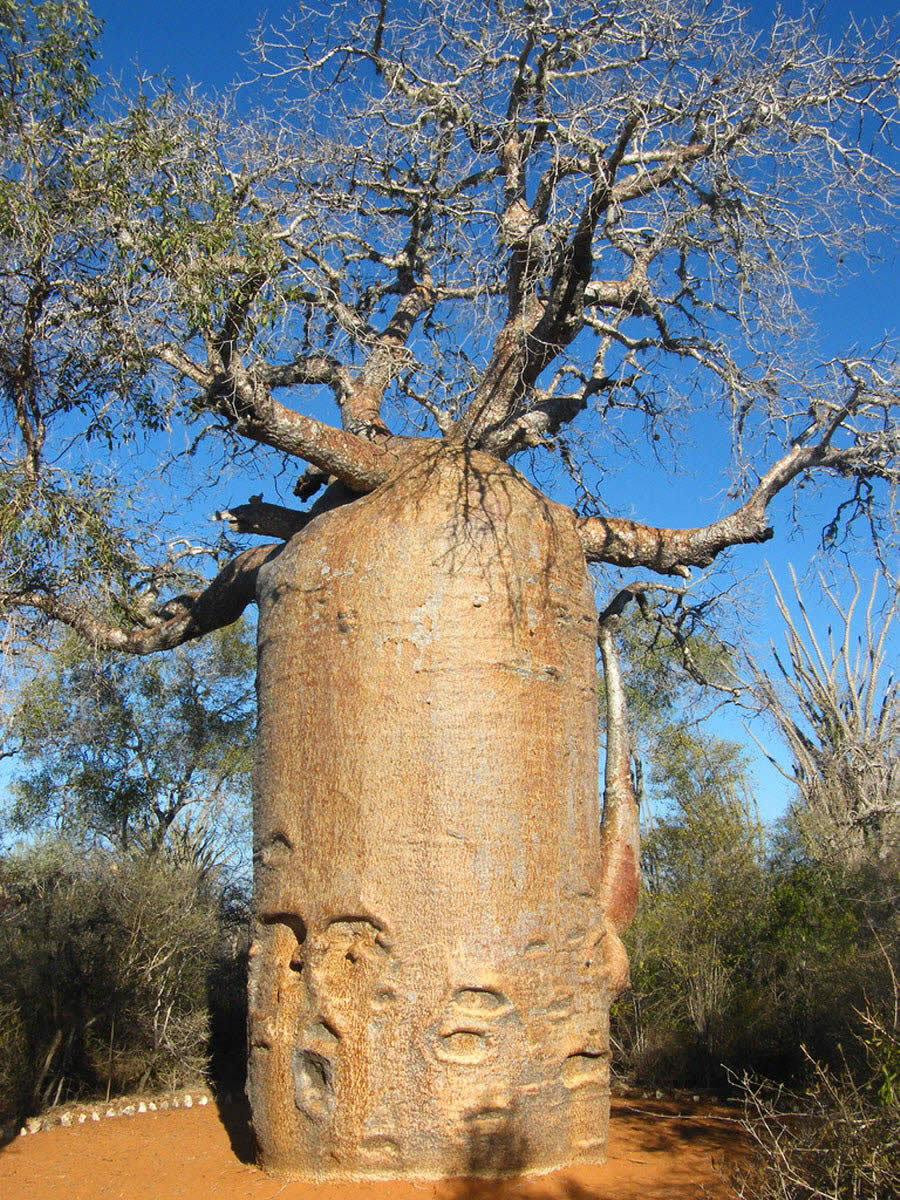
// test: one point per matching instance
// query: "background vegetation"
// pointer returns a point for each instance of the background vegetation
(124, 911)
(764, 959)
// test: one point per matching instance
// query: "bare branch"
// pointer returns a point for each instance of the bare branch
(268, 520)
(256, 414)
(181, 620)
(675, 551)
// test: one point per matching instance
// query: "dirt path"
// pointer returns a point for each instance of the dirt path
(657, 1151)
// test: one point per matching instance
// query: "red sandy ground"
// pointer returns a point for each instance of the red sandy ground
(657, 1151)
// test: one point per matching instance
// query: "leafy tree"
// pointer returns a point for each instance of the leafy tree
(63, 373)
(147, 755)
(744, 958)
(677, 670)
(486, 230)
(705, 894)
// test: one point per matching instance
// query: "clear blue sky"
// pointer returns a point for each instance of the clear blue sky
(203, 41)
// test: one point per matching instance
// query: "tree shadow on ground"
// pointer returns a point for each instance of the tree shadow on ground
(234, 1113)
(495, 1159)
(227, 1051)
(499, 1166)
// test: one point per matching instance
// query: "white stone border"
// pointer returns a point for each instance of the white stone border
(124, 1106)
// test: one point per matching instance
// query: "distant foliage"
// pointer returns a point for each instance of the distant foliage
(123, 937)
(756, 950)
(145, 755)
(745, 954)
(704, 888)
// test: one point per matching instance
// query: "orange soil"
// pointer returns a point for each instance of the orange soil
(657, 1151)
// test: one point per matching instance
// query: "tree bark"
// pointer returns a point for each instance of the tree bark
(432, 967)
(620, 850)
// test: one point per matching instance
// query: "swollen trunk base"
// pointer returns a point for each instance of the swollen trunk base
(430, 976)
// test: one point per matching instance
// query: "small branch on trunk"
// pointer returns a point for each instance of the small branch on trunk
(311, 480)
(268, 520)
(678, 623)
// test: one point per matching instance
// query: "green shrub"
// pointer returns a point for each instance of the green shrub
(761, 970)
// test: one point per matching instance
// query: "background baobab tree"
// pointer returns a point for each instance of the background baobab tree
(491, 231)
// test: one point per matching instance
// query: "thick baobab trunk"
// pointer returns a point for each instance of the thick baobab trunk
(432, 968)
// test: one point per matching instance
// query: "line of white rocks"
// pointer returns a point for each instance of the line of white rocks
(124, 1107)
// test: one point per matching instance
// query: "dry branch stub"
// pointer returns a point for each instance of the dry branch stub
(432, 969)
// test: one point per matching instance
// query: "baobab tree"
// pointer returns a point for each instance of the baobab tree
(499, 236)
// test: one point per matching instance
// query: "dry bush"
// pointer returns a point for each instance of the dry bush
(839, 1139)
(104, 968)
(840, 719)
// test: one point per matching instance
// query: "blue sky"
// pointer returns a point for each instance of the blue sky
(203, 41)
(200, 41)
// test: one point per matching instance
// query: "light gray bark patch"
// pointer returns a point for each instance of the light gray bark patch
(561, 1006)
(537, 947)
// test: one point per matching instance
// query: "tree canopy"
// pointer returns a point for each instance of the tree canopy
(551, 232)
